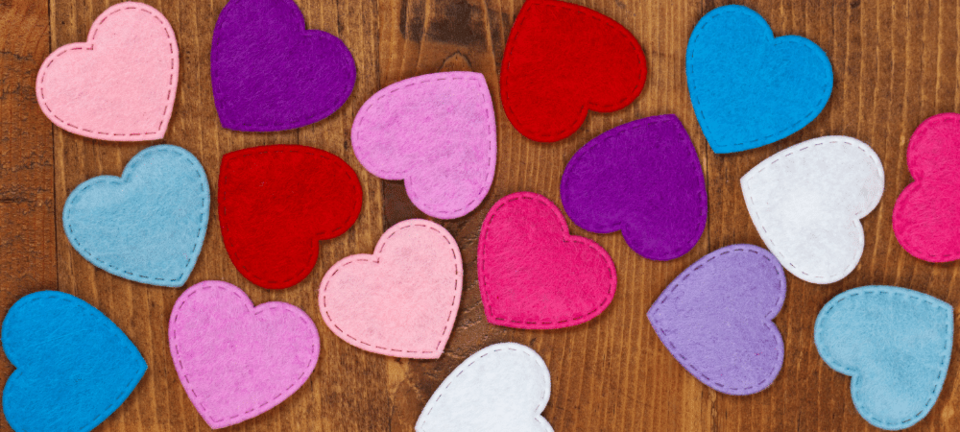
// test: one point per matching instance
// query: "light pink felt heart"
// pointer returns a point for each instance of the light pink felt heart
(435, 132)
(402, 300)
(533, 273)
(119, 85)
(237, 361)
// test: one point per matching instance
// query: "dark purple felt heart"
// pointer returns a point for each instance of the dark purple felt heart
(269, 73)
(644, 179)
(715, 318)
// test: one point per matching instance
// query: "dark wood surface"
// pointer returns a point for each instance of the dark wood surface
(895, 62)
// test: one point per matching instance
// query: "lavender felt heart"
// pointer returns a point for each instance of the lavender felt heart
(715, 318)
(269, 73)
(644, 179)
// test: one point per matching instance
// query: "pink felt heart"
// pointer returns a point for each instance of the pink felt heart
(533, 273)
(436, 132)
(237, 361)
(121, 83)
(402, 300)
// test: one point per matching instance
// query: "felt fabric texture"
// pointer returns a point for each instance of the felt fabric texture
(276, 202)
(74, 367)
(927, 212)
(644, 179)
(149, 224)
(237, 361)
(533, 273)
(748, 88)
(270, 73)
(562, 60)
(716, 318)
(119, 85)
(895, 345)
(435, 132)
(503, 387)
(807, 201)
(401, 301)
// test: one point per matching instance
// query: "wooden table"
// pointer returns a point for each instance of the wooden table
(896, 63)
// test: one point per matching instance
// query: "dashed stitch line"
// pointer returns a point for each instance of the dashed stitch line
(483, 92)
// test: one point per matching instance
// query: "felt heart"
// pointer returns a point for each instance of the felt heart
(270, 73)
(503, 387)
(533, 273)
(716, 318)
(895, 345)
(748, 88)
(237, 361)
(119, 85)
(147, 225)
(435, 132)
(562, 60)
(276, 202)
(644, 179)
(74, 366)
(927, 213)
(807, 201)
(402, 300)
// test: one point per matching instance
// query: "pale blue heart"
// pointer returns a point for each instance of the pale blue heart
(895, 345)
(749, 89)
(148, 225)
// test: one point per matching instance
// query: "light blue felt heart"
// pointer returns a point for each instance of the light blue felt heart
(148, 225)
(74, 366)
(749, 89)
(895, 345)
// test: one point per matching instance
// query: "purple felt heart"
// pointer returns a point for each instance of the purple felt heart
(644, 179)
(269, 73)
(716, 319)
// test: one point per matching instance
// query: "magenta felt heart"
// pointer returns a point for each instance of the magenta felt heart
(237, 361)
(533, 273)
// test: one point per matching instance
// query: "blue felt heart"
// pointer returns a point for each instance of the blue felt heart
(148, 225)
(749, 89)
(74, 366)
(895, 345)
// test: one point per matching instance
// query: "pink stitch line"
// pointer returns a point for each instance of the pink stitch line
(758, 219)
(174, 69)
(488, 303)
(310, 261)
(483, 92)
(505, 93)
(381, 245)
(544, 396)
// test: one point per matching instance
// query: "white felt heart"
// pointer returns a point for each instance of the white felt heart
(807, 201)
(503, 387)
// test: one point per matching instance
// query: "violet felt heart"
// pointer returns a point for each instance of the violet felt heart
(435, 132)
(269, 73)
(643, 179)
(237, 361)
(402, 300)
(716, 319)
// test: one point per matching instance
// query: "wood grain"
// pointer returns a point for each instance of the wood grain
(895, 62)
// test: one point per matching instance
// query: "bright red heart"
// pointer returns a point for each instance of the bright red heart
(276, 202)
(563, 59)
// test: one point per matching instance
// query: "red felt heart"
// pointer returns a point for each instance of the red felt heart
(276, 202)
(563, 59)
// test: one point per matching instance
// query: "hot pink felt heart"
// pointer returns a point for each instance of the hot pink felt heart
(121, 83)
(533, 273)
(927, 214)
(436, 132)
(402, 300)
(237, 361)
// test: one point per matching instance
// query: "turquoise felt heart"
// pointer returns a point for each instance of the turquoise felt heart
(148, 225)
(895, 345)
(748, 88)
(74, 366)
